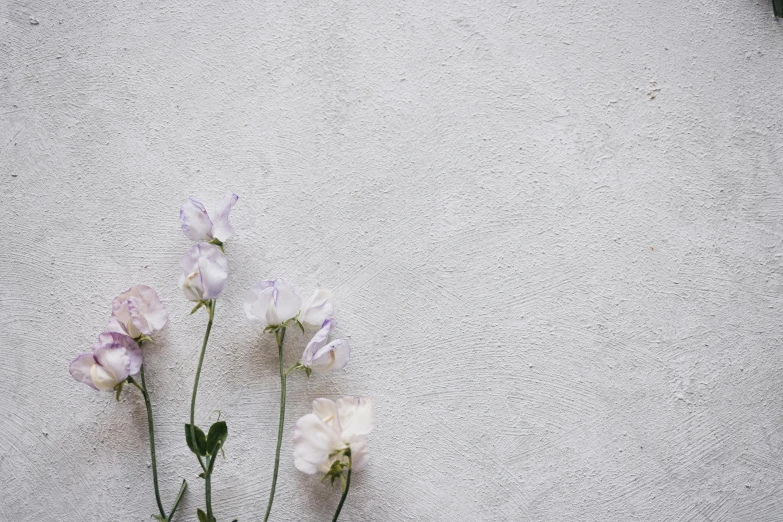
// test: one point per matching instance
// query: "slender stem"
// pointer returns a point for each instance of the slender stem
(151, 427)
(208, 493)
(345, 491)
(279, 335)
(211, 307)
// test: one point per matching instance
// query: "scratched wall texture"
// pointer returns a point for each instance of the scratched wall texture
(553, 229)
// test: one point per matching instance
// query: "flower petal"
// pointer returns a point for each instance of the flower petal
(80, 369)
(204, 271)
(118, 354)
(317, 342)
(116, 326)
(257, 300)
(326, 410)
(360, 454)
(319, 308)
(271, 302)
(355, 416)
(195, 221)
(221, 228)
(314, 440)
(147, 313)
(334, 355)
(287, 302)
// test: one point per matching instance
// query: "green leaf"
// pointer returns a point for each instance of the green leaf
(119, 390)
(218, 433)
(159, 518)
(179, 498)
(195, 308)
(777, 6)
(200, 445)
(202, 517)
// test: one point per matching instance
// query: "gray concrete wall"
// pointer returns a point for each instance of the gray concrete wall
(553, 229)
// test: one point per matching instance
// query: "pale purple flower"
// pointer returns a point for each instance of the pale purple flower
(333, 427)
(137, 311)
(204, 271)
(199, 225)
(113, 359)
(271, 302)
(321, 357)
(319, 308)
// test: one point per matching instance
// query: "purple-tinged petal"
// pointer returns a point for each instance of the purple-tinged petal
(80, 369)
(118, 356)
(116, 326)
(195, 221)
(221, 227)
(204, 272)
(315, 356)
(140, 311)
(271, 302)
(334, 355)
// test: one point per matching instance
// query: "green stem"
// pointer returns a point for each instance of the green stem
(211, 307)
(151, 428)
(208, 492)
(279, 336)
(347, 485)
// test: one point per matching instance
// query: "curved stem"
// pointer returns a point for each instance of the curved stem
(279, 335)
(211, 307)
(151, 428)
(345, 491)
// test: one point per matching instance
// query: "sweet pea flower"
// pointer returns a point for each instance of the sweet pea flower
(321, 357)
(113, 359)
(271, 302)
(198, 225)
(333, 427)
(317, 309)
(204, 272)
(137, 311)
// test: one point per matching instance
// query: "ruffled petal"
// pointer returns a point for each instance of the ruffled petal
(204, 272)
(314, 440)
(118, 355)
(221, 227)
(326, 410)
(257, 300)
(286, 300)
(319, 308)
(195, 221)
(80, 369)
(355, 416)
(360, 454)
(317, 342)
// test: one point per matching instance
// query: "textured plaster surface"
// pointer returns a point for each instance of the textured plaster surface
(553, 229)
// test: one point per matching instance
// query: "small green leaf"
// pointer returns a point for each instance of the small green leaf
(182, 489)
(119, 390)
(159, 518)
(200, 445)
(195, 308)
(218, 433)
(201, 475)
(202, 517)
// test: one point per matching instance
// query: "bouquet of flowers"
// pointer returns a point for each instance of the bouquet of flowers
(330, 440)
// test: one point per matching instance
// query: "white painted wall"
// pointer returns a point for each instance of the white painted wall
(553, 228)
